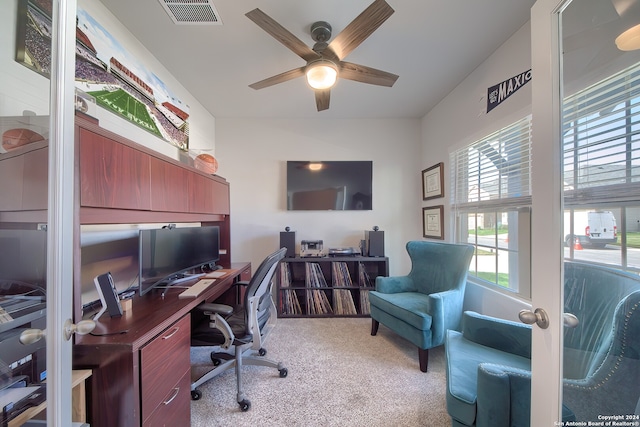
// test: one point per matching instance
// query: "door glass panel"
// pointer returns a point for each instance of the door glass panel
(24, 125)
(601, 225)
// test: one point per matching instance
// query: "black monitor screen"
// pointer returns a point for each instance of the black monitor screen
(23, 256)
(169, 251)
(329, 185)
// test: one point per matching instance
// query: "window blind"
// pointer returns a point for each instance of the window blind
(601, 141)
(493, 173)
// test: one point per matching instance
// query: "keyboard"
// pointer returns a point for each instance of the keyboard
(196, 289)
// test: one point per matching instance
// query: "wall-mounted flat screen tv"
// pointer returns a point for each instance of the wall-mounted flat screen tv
(329, 185)
(166, 254)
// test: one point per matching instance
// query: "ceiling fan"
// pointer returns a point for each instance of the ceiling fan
(325, 60)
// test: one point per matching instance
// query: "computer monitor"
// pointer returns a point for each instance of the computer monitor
(168, 252)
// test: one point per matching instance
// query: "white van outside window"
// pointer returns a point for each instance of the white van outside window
(590, 228)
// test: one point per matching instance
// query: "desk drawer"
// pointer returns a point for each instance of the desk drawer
(163, 363)
(175, 408)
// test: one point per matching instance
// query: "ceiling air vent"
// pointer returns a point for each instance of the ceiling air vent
(191, 12)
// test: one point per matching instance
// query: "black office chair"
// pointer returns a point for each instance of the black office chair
(244, 328)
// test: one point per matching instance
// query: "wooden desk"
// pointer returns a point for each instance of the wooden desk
(141, 361)
(78, 398)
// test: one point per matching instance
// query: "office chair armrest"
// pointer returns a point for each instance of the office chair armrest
(210, 307)
(244, 283)
(214, 312)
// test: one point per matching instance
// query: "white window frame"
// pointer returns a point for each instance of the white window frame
(492, 176)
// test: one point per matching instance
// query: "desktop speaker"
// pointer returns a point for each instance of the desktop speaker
(108, 296)
(288, 240)
(374, 242)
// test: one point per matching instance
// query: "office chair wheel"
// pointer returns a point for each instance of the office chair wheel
(244, 405)
(216, 361)
(196, 394)
(283, 372)
(262, 352)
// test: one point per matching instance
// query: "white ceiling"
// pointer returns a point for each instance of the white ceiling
(431, 44)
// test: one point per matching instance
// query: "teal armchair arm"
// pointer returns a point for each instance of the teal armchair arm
(449, 302)
(503, 335)
(393, 285)
(504, 396)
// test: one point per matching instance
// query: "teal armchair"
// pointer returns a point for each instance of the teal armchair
(422, 305)
(488, 362)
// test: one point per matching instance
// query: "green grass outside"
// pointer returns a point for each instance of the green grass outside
(633, 239)
(503, 278)
(488, 231)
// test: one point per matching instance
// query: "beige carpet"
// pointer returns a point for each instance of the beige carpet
(339, 375)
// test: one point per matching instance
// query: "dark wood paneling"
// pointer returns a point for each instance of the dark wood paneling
(23, 172)
(112, 175)
(35, 179)
(169, 187)
(11, 172)
(207, 195)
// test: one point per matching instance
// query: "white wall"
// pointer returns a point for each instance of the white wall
(20, 88)
(461, 119)
(252, 155)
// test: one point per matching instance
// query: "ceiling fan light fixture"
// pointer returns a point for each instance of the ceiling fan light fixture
(629, 40)
(321, 74)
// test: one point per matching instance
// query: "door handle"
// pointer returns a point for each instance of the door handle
(570, 320)
(539, 317)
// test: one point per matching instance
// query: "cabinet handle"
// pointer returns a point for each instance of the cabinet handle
(175, 331)
(173, 396)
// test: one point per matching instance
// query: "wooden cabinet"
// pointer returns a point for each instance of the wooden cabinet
(24, 174)
(165, 377)
(327, 286)
(112, 175)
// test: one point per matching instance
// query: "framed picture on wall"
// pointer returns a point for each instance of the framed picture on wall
(433, 182)
(433, 222)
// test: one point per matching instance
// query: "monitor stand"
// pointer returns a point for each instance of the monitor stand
(180, 278)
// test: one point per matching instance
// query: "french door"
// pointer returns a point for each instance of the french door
(61, 213)
(576, 149)
(37, 226)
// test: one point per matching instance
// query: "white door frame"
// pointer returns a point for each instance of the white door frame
(547, 245)
(60, 219)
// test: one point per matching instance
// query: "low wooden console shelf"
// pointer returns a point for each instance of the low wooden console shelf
(327, 286)
(141, 361)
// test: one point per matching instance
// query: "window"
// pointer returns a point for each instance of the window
(601, 162)
(491, 201)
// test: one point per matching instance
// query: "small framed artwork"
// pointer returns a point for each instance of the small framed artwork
(433, 182)
(433, 222)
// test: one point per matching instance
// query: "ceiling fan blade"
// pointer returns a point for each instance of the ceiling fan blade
(278, 78)
(281, 34)
(361, 28)
(322, 99)
(363, 74)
